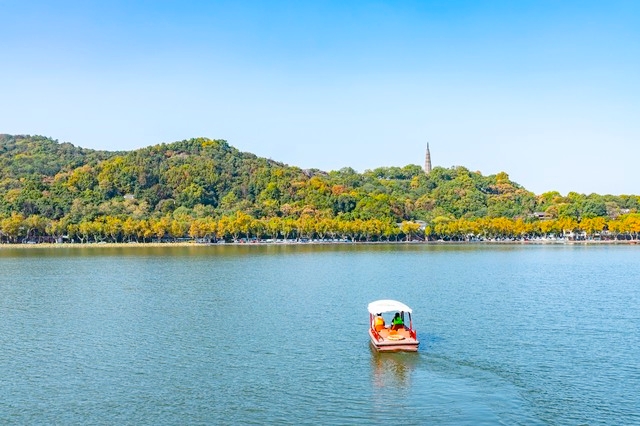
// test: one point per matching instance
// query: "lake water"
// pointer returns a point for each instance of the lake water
(510, 334)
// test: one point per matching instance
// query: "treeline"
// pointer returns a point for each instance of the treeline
(42, 180)
(240, 226)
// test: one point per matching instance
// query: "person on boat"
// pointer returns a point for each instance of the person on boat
(378, 322)
(397, 322)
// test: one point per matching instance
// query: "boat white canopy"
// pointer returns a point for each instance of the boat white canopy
(382, 306)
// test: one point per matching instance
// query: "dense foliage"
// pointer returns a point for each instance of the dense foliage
(54, 189)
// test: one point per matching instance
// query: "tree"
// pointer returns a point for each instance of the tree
(179, 227)
(13, 227)
(112, 226)
(241, 224)
(224, 227)
(305, 226)
(274, 224)
(56, 229)
(592, 225)
(594, 208)
(130, 229)
(287, 226)
(631, 224)
(259, 228)
(145, 230)
(197, 228)
(410, 229)
(35, 225)
(159, 227)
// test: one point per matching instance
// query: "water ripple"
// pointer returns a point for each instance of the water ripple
(225, 335)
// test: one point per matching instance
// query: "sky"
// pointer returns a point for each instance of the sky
(547, 91)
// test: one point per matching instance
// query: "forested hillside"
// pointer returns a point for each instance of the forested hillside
(51, 188)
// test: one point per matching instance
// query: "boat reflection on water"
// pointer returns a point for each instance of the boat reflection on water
(392, 369)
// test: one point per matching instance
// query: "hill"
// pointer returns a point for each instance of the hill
(204, 178)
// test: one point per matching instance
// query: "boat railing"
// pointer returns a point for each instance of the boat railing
(376, 334)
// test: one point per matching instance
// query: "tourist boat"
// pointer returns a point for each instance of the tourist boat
(384, 336)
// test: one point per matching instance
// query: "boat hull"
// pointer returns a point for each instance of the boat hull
(386, 344)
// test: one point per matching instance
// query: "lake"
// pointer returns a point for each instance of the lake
(510, 334)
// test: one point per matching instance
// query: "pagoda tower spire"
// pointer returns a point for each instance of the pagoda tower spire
(427, 161)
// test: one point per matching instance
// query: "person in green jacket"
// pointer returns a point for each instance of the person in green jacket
(397, 321)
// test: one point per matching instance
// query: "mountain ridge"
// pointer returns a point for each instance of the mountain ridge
(201, 176)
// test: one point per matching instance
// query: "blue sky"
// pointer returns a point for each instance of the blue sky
(547, 91)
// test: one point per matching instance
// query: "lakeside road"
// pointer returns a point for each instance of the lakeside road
(293, 242)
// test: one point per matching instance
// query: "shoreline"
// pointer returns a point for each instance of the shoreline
(4, 246)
